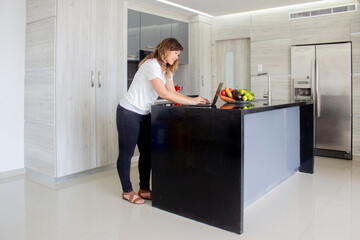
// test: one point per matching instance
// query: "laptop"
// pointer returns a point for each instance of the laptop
(213, 103)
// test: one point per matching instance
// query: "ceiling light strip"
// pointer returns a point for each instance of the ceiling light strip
(186, 8)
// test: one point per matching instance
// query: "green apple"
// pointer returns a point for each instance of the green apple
(242, 91)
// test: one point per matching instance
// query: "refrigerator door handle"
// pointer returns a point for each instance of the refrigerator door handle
(317, 89)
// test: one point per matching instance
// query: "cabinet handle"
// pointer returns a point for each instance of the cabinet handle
(132, 56)
(150, 47)
(99, 79)
(92, 78)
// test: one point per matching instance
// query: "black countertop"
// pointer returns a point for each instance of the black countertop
(250, 107)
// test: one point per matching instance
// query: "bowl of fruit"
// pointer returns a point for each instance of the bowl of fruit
(237, 96)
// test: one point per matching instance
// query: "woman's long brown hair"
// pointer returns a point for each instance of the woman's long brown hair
(160, 54)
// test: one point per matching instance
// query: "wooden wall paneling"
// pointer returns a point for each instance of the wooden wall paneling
(40, 97)
(110, 62)
(355, 38)
(324, 29)
(274, 56)
(280, 87)
(356, 94)
(40, 9)
(231, 27)
(39, 148)
(270, 26)
(40, 45)
(75, 97)
(356, 135)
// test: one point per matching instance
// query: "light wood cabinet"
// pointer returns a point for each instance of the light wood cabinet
(90, 77)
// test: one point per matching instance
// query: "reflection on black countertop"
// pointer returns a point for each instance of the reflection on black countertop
(250, 107)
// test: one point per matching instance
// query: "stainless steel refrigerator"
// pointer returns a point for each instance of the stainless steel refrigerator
(323, 73)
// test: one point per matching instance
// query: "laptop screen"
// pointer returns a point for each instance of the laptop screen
(217, 93)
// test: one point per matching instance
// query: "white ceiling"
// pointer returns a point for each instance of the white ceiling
(224, 7)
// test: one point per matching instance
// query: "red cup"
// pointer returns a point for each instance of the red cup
(178, 89)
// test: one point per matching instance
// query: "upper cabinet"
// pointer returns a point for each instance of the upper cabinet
(153, 30)
(180, 31)
(133, 35)
(146, 31)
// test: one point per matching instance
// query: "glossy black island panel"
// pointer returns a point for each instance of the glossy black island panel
(198, 157)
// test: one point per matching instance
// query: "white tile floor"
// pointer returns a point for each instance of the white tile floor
(325, 205)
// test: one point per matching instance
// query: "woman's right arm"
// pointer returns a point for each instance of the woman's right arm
(174, 96)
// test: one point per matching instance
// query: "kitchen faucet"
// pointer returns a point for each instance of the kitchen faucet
(268, 96)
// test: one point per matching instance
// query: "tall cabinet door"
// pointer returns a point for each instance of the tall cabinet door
(75, 95)
(111, 62)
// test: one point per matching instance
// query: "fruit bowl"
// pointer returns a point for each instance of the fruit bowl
(238, 102)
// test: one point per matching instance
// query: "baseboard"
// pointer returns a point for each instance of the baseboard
(12, 173)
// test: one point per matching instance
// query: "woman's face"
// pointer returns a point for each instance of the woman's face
(172, 56)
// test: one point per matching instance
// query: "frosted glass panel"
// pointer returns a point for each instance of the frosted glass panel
(229, 58)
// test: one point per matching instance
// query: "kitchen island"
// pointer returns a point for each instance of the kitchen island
(209, 164)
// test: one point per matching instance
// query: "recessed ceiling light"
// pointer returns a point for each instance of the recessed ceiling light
(186, 8)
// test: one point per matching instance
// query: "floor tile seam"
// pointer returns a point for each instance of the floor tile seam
(307, 228)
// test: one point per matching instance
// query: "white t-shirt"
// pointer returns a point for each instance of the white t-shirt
(141, 94)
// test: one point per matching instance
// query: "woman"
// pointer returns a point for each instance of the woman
(154, 78)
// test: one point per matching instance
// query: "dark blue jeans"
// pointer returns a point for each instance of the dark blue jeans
(133, 129)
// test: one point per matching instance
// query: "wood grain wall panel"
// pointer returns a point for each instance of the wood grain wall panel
(231, 27)
(274, 56)
(355, 22)
(356, 135)
(324, 29)
(270, 26)
(280, 87)
(40, 97)
(40, 45)
(39, 148)
(355, 38)
(40, 9)
(356, 95)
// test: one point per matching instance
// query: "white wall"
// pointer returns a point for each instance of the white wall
(12, 71)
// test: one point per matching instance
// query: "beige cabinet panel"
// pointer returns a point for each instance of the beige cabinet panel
(355, 22)
(356, 94)
(199, 60)
(39, 142)
(109, 70)
(280, 87)
(355, 38)
(40, 45)
(231, 27)
(270, 26)
(40, 9)
(274, 56)
(325, 29)
(356, 135)
(75, 95)
(40, 97)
